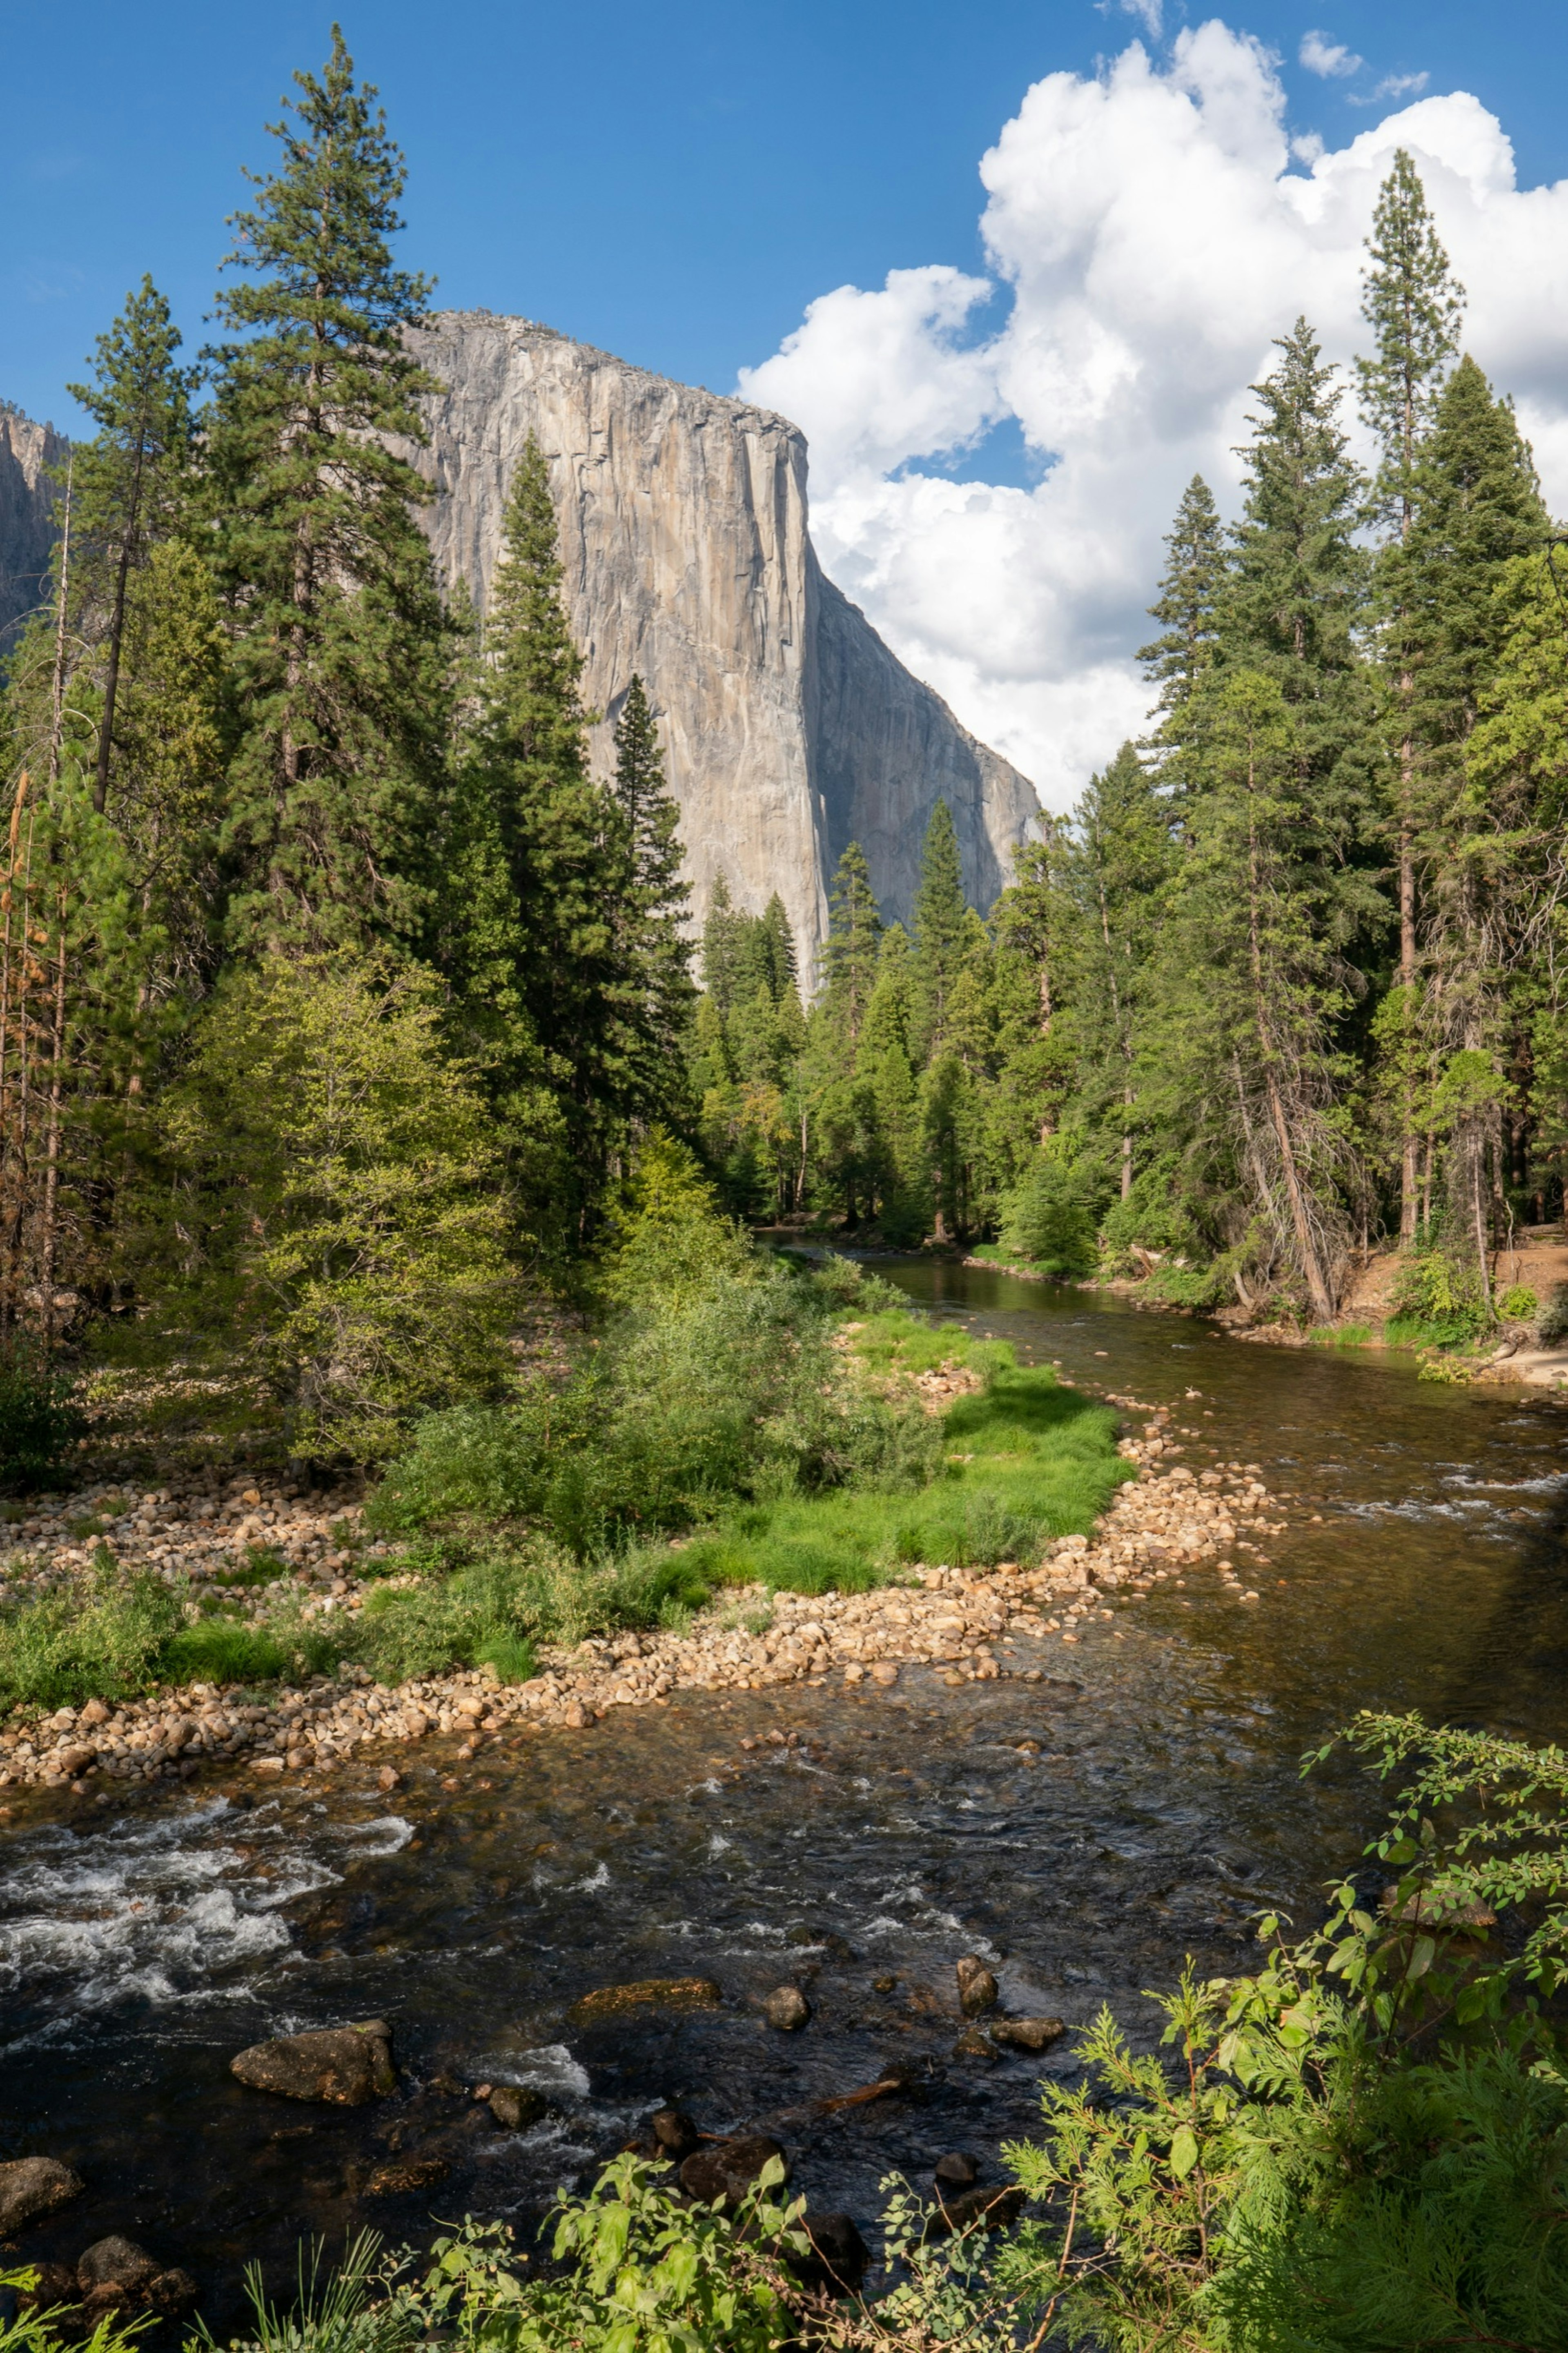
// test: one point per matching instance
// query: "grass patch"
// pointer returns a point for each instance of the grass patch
(1027, 1460)
(1341, 1336)
(897, 1341)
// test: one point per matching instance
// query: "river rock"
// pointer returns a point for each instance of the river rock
(515, 2106)
(608, 2002)
(976, 1986)
(31, 2187)
(408, 2174)
(343, 2066)
(956, 2170)
(114, 2263)
(838, 2257)
(75, 1760)
(787, 2009)
(723, 2170)
(1026, 2033)
(976, 2044)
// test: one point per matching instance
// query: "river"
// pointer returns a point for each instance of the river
(142, 1945)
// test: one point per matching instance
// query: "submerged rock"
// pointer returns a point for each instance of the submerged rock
(607, 2002)
(515, 2106)
(343, 2066)
(724, 2170)
(1026, 2033)
(956, 2170)
(114, 2263)
(409, 2173)
(34, 2186)
(987, 2209)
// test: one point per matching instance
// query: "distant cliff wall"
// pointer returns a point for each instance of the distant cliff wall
(26, 513)
(789, 728)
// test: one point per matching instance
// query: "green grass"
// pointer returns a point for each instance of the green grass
(1341, 1336)
(1027, 1460)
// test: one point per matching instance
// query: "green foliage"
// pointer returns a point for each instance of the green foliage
(1436, 1301)
(223, 1651)
(1045, 1222)
(40, 1419)
(1306, 2174)
(341, 647)
(1552, 1324)
(1518, 1304)
(59, 1647)
(337, 1210)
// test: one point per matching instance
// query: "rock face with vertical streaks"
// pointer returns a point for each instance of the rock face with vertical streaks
(789, 729)
(26, 513)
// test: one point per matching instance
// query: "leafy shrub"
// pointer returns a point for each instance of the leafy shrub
(1437, 1300)
(40, 1419)
(1151, 1219)
(1551, 1323)
(1518, 1304)
(1187, 1286)
(1310, 2174)
(59, 1647)
(1044, 1222)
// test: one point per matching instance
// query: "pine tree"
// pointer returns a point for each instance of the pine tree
(588, 911)
(653, 915)
(1121, 860)
(940, 908)
(128, 481)
(1188, 606)
(1478, 516)
(1299, 585)
(853, 929)
(1414, 308)
(776, 952)
(723, 933)
(340, 641)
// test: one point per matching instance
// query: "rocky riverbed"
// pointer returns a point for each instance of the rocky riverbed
(977, 1624)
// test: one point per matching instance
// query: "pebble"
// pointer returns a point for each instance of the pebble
(966, 1623)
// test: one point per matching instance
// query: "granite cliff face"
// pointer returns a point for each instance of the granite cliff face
(789, 728)
(27, 512)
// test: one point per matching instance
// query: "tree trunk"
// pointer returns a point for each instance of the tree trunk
(47, 1239)
(1407, 1178)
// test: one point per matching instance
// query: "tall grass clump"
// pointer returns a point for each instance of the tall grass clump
(104, 1640)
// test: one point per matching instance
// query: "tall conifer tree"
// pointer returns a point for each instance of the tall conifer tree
(340, 640)
(1180, 657)
(853, 929)
(1414, 307)
(128, 481)
(939, 909)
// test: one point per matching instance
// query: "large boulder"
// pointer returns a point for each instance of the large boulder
(31, 2187)
(976, 1986)
(343, 2066)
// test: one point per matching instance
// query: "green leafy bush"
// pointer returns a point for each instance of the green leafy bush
(1149, 1219)
(40, 1419)
(58, 1648)
(1046, 1223)
(1551, 1323)
(1518, 1304)
(1362, 2147)
(1436, 1302)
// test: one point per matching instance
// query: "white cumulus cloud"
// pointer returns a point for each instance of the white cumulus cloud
(1330, 59)
(1153, 228)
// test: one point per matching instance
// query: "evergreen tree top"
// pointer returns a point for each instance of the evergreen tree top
(1300, 575)
(536, 670)
(1414, 307)
(139, 400)
(1189, 596)
(323, 226)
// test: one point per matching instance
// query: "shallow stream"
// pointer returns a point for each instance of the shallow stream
(143, 1943)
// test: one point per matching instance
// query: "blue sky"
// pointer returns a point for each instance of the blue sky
(676, 182)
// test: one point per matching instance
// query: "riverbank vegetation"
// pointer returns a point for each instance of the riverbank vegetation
(727, 1419)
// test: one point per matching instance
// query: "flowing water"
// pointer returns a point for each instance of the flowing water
(143, 1943)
